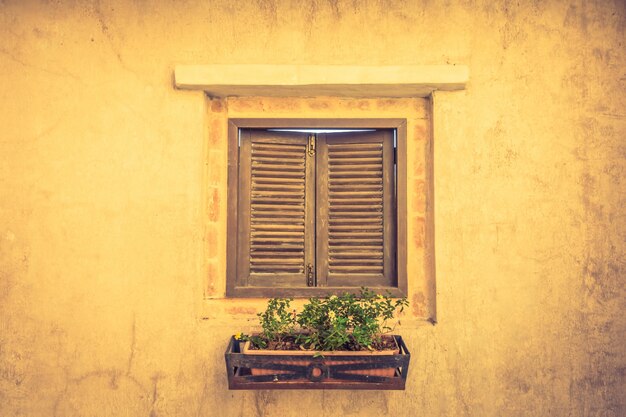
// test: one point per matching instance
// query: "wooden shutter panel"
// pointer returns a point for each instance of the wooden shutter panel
(276, 203)
(356, 223)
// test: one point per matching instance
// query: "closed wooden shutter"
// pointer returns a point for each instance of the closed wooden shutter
(355, 209)
(276, 209)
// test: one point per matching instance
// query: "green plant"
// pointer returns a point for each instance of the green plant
(278, 323)
(344, 322)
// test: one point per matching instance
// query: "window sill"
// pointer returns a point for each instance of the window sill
(320, 80)
(240, 314)
(247, 292)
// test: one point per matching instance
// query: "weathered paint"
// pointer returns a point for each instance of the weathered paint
(112, 213)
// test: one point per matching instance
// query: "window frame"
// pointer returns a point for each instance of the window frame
(235, 124)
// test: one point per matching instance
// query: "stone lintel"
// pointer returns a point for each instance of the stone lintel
(320, 80)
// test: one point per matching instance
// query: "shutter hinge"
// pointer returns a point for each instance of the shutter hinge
(311, 145)
(310, 276)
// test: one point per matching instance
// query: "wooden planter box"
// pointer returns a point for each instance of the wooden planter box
(301, 370)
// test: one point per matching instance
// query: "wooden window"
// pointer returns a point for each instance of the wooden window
(316, 211)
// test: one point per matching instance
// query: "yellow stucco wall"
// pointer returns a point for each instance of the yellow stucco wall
(108, 196)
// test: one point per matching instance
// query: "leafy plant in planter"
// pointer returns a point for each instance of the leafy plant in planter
(327, 338)
(278, 323)
(346, 322)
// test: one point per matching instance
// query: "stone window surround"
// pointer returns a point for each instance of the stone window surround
(318, 81)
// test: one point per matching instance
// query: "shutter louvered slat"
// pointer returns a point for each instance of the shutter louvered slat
(347, 147)
(270, 247)
(361, 187)
(292, 210)
(356, 182)
(278, 181)
(261, 227)
(348, 208)
(369, 248)
(365, 228)
(273, 173)
(356, 194)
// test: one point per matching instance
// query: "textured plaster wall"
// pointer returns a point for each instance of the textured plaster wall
(105, 203)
